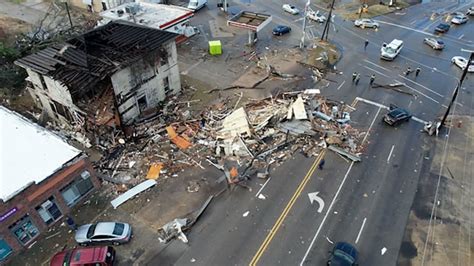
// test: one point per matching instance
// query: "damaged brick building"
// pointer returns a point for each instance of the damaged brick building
(41, 179)
(113, 75)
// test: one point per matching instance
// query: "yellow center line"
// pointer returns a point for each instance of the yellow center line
(286, 210)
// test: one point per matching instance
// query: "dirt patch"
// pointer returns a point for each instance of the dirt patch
(350, 11)
(10, 27)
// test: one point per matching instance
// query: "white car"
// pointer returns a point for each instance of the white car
(316, 16)
(470, 11)
(461, 62)
(366, 23)
(110, 232)
(291, 9)
(459, 20)
(436, 44)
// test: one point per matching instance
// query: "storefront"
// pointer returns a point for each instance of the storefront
(24, 230)
(75, 190)
(5, 249)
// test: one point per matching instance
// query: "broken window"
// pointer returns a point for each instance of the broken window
(43, 83)
(142, 103)
(62, 110)
(163, 58)
(166, 85)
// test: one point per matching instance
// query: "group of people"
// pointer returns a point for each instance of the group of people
(356, 78)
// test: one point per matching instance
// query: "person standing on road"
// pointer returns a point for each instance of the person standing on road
(357, 79)
(372, 79)
(408, 71)
(354, 76)
(321, 164)
(417, 71)
(366, 44)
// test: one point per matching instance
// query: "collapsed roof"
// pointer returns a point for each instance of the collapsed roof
(82, 62)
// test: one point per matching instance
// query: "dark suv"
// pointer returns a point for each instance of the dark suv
(343, 254)
(442, 27)
(396, 116)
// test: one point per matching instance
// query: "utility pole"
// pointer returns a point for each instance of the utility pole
(67, 9)
(304, 23)
(326, 26)
(456, 90)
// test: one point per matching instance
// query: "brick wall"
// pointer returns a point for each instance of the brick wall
(36, 194)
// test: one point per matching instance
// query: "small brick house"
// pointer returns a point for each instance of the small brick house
(41, 179)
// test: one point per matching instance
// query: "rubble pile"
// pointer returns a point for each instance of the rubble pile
(241, 142)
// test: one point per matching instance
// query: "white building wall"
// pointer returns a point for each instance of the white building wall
(151, 79)
(58, 92)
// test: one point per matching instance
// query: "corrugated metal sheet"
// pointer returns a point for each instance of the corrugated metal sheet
(82, 62)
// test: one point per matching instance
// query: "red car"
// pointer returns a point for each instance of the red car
(103, 256)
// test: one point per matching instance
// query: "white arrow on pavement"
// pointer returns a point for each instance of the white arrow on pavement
(313, 196)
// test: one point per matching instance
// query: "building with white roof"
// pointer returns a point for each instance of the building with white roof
(164, 17)
(41, 178)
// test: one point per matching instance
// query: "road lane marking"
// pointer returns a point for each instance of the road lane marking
(405, 27)
(286, 210)
(373, 121)
(390, 154)
(387, 108)
(360, 231)
(378, 72)
(372, 63)
(413, 22)
(326, 216)
(421, 85)
(341, 85)
(421, 93)
(335, 198)
(264, 184)
(460, 37)
(313, 196)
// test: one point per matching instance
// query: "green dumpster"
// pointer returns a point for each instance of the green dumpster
(215, 47)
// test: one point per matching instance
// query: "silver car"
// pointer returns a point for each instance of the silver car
(110, 232)
(366, 23)
(434, 43)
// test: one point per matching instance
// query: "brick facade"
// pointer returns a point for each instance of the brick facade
(34, 195)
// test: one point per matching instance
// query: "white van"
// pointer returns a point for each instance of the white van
(196, 4)
(391, 50)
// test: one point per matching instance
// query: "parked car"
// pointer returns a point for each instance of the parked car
(291, 9)
(442, 27)
(97, 256)
(458, 20)
(343, 254)
(470, 11)
(316, 16)
(436, 44)
(104, 232)
(396, 116)
(366, 23)
(461, 62)
(281, 29)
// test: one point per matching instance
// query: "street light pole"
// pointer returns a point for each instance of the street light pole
(456, 90)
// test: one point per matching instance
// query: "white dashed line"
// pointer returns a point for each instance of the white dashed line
(360, 231)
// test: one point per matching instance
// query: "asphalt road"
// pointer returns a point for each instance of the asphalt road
(366, 203)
